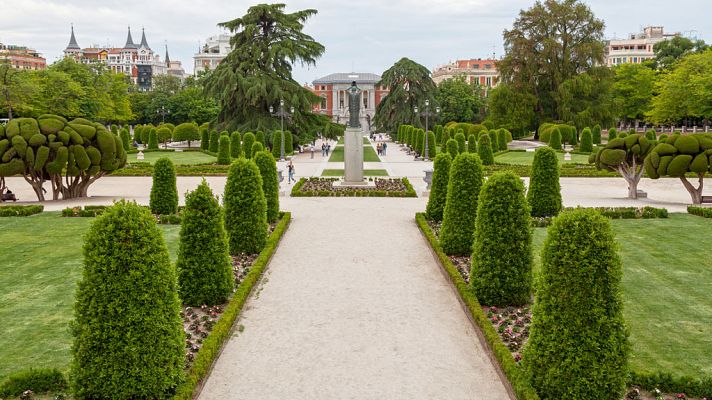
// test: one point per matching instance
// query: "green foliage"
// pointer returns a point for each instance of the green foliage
(544, 194)
(187, 132)
(555, 141)
(586, 141)
(164, 194)
(438, 192)
(260, 137)
(288, 142)
(247, 142)
(270, 182)
(669, 52)
(432, 148)
(20, 211)
(127, 311)
(214, 143)
(596, 132)
(451, 148)
(204, 139)
(235, 145)
(245, 208)
(419, 141)
(578, 345)
(204, 266)
(683, 92)
(484, 150)
(501, 140)
(256, 148)
(409, 85)
(650, 134)
(152, 140)
(466, 178)
(502, 253)
(37, 380)
(632, 90)
(126, 139)
(164, 134)
(224, 150)
(460, 139)
(612, 134)
(460, 100)
(472, 144)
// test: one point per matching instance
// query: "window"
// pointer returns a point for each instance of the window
(364, 96)
(489, 81)
(323, 102)
(488, 66)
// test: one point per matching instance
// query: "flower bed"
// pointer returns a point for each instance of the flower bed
(20, 211)
(311, 187)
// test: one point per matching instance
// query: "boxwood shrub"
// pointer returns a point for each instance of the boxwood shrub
(438, 192)
(247, 142)
(555, 140)
(152, 139)
(484, 149)
(224, 150)
(270, 182)
(245, 208)
(164, 194)
(502, 253)
(472, 144)
(460, 139)
(20, 211)
(214, 143)
(40, 380)
(586, 141)
(204, 139)
(466, 178)
(544, 194)
(235, 145)
(451, 148)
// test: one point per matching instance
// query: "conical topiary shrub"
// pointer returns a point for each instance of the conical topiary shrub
(224, 150)
(270, 183)
(544, 194)
(247, 142)
(460, 139)
(438, 192)
(494, 140)
(466, 177)
(204, 139)
(578, 345)
(204, 267)
(288, 143)
(555, 141)
(260, 138)
(502, 254)
(596, 133)
(128, 335)
(472, 144)
(484, 149)
(501, 140)
(152, 139)
(586, 141)
(256, 148)
(432, 146)
(125, 139)
(245, 208)
(451, 148)
(214, 141)
(164, 194)
(235, 145)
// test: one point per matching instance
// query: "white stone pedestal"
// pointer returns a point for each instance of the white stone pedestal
(353, 156)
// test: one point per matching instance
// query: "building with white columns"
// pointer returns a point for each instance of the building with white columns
(335, 101)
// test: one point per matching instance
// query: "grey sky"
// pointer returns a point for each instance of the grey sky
(360, 35)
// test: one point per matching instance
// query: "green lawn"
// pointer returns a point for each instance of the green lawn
(41, 264)
(366, 172)
(178, 158)
(526, 158)
(365, 140)
(667, 281)
(369, 154)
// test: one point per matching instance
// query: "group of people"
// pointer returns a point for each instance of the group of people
(325, 149)
(381, 148)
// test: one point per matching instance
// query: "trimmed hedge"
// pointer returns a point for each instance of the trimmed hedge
(204, 266)
(222, 330)
(204, 139)
(128, 334)
(247, 141)
(555, 141)
(578, 346)
(596, 134)
(460, 139)
(690, 386)
(270, 181)
(484, 149)
(256, 148)
(438, 192)
(224, 150)
(700, 211)
(235, 145)
(472, 144)
(152, 139)
(586, 141)
(245, 208)
(501, 140)
(42, 380)
(432, 146)
(612, 213)
(164, 193)
(20, 211)
(451, 148)
(544, 194)
(502, 250)
(214, 142)
(515, 374)
(466, 178)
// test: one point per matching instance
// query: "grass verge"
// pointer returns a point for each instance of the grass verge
(369, 154)
(366, 172)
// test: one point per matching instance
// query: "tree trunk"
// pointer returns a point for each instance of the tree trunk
(632, 176)
(695, 192)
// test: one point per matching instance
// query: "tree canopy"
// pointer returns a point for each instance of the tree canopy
(460, 101)
(632, 90)
(667, 52)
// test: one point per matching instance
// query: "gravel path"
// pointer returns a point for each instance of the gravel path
(354, 306)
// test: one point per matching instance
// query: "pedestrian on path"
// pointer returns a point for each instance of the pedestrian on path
(323, 149)
(328, 149)
(311, 149)
(383, 148)
(290, 172)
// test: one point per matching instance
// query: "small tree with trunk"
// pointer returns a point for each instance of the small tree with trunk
(625, 156)
(186, 132)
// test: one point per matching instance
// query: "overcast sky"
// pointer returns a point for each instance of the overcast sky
(359, 35)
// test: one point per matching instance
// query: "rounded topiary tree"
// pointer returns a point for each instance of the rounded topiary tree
(270, 183)
(578, 345)
(224, 150)
(186, 132)
(596, 134)
(460, 139)
(555, 140)
(626, 156)
(204, 139)
(245, 208)
(164, 194)
(152, 139)
(256, 148)
(472, 144)
(650, 134)
(612, 134)
(484, 149)
(260, 137)
(466, 177)
(438, 192)
(586, 141)
(164, 134)
(204, 267)
(235, 145)
(544, 194)
(502, 254)
(501, 140)
(432, 146)
(451, 148)
(214, 144)
(128, 334)
(247, 142)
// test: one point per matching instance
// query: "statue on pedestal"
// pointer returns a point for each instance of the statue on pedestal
(354, 105)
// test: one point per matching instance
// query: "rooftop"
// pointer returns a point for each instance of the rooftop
(343, 77)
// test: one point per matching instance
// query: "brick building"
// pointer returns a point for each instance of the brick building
(21, 57)
(478, 70)
(335, 101)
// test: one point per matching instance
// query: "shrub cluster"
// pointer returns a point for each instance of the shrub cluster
(484, 150)
(438, 192)
(86, 211)
(164, 193)
(700, 211)
(466, 178)
(20, 211)
(544, 194)
(245, 208)
(270, 182)
(680, 154)
(41, 380)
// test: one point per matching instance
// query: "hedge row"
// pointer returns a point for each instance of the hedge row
(520, 384)
(208, 353)
(42, 380)
(697, 387)
(298, 192)
(700, 211)
(20, 211)
(612, 213)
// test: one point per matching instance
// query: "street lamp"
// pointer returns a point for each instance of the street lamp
(163, 113)
(281, 113)
(427, 114)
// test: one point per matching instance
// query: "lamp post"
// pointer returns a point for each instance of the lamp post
(281, 114)
(427, 114)
(163, 113)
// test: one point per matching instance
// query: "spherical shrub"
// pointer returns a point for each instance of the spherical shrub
(578, 345)
(586, 141)
(204, 266)
(164, 134)
(224, 150)
(214, 144)
(451, 148)
(235, 145)
(466, 177)
(460, 139)
(152, 139)
(612, 134)
(164, 194)
(186, 132)
(484, 149)
(502, 254)
(256, 148)
(438, 192)
(555, 140)
(270, 183)
(544, 193)
(128, 334)
(472, 144)
(245, 208)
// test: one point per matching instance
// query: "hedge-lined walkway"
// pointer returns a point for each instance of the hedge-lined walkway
(354, 306)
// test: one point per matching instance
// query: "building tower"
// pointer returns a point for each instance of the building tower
(129, 41)
(73, 50)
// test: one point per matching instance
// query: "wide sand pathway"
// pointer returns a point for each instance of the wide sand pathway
(354, 306)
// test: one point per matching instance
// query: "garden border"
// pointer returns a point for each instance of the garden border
(516, 378)
(213, 344)
(296, 190)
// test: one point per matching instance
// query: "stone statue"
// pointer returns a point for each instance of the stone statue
(354, 105)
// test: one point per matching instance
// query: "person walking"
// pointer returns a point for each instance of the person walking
(323, 149)
(328, 149)
(290, 172)
(311, 149)
(383, 148)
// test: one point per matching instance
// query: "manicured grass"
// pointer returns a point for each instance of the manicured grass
(366, 172)
(369, 154)
(365, 140)
(526, 158)
(667, 280)
(41, 265)
(178, 158)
